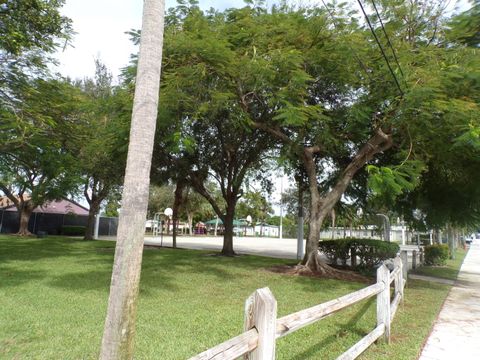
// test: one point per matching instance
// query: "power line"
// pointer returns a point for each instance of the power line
(380, 46)
(335, 25)
(388, 40)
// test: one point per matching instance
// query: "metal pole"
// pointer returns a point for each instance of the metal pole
(97, 225)
(281, 208)
(161, 232)
(386, 226)
(34, 222)
(300, 238)
(403, 232)
(1, 221)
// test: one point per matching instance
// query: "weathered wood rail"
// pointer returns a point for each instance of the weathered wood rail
(262, 327)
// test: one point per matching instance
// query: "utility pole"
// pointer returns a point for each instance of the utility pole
(386, 227)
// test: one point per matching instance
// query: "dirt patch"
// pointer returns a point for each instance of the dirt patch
(344, 275)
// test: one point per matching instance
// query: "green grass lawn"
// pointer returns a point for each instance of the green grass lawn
(53, 296)
(449, 271)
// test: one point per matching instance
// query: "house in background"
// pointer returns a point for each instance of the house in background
(62, 206)
(51, 217)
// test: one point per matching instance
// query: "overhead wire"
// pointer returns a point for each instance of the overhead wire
(380, 46)
(388, 40)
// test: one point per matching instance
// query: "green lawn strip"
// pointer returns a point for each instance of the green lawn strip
(53, 295)
(449, 271)
(412, 323)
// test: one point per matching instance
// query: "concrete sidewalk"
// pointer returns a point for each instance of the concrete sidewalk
(456, 333)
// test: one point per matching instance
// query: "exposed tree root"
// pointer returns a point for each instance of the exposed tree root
(24, 233)
(316, 267)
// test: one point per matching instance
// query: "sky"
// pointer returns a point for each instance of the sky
(100, 26)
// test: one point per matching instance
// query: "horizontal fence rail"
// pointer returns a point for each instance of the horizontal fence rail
(262, 327)
(363, 344)
(231, 349)
(293, 322)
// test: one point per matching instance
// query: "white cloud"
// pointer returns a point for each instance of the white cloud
(100, 26)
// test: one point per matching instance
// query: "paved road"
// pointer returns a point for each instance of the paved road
(272, 247)
(264, 246)
(456, 333)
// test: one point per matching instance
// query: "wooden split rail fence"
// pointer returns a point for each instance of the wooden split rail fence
(262, 327)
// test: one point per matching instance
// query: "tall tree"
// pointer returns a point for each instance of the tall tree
(340, 112)
(43, 168)
(29, 31)
(118, 337)
(101, 140)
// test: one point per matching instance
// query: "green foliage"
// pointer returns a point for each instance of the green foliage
(72, 230)
(389, 182)
(101, 136)
(255, 204)
(436, 254)
(40, 131)
(32, 24)
(370, 252)
(29, 31)
(465, 27)
(336, 250)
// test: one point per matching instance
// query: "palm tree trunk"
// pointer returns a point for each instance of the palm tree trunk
(119, 330)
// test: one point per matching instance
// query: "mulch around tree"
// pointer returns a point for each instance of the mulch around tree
(338, 274)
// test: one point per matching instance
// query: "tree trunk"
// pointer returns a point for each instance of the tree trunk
(190, 222)
(119, 331)
(321, 206)
(451, 241)
(25, 210)
(176, 208)
(227, 249)
(90, 228)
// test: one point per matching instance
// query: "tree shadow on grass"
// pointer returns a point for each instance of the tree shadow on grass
(17, 248)
(12, 277)
(351, 327)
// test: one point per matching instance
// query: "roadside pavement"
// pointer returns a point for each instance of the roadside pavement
(456, 332)
(262, 246)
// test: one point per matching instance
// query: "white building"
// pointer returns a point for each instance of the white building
(267, 230)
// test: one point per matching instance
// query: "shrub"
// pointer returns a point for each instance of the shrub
(436, 254)
(336, 250)
(73, 230)
(370, 252)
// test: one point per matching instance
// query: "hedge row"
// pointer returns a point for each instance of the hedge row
(436, 254)
(72, 230)
(369, 252)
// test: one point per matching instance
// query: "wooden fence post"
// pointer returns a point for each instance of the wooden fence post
(261, 313)
(404, 257)
(353, 257)
(397, 262)
(421, 260)
(383, 301)
(414, 259)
